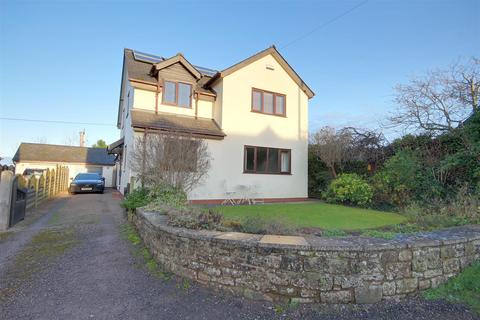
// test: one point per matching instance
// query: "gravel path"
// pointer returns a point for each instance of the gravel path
(74, 263)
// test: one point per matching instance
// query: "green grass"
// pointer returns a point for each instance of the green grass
(131, 234)
(316, 215)
(464, 288)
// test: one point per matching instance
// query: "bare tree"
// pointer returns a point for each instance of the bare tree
(365, 144)
(438, 102)
(176, 159)
(331, 147)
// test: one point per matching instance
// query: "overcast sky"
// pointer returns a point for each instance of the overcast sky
(62, 60)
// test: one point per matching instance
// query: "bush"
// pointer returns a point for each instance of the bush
(195, 218)
(136, 199)
(349, 189)
(396, 182)
(166, 195)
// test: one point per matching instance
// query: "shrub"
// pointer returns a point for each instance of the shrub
(234, 225)
(395, 183)
(165, 194)
(349, 189)
(136, 199)
(195, 218)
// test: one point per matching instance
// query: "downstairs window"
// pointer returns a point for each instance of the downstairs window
(267, 160)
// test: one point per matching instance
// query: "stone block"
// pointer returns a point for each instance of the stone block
(278, 278)
(342, 296)
(368, 294)
(406, 285)
(307, 293)
(452, 251)
(291, 262)
(426, 258)
(302, 300)
(436, 281)
(469, 249)
(405, 255)
(433, 273)
(424, 284)
(389, 288)
(346, 282)
(398, 270)
(451, 266)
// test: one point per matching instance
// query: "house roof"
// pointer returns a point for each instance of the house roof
(59, 153)
(278, 57)
(206, 128)
(141, 70)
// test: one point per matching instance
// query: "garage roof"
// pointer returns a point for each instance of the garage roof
(59, 153)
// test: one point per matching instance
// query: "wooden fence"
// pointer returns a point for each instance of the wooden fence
(44, 187)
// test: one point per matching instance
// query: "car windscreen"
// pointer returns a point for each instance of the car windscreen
(88, 176)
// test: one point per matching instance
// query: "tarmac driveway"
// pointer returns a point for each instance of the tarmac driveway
(71, 260)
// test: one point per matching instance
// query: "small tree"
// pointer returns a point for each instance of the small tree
(179, 160)
(100, 144)
(331, 147)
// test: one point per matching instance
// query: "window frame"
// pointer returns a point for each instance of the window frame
(279, 159)
(175, 104)
(262, 106)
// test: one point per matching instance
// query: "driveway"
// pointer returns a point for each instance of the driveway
(71, 260)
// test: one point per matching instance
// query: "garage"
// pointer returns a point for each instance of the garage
(37, 156)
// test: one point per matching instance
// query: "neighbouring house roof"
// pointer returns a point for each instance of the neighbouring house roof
(278, 57)
(116, 147)
(206, 128)
(59, 153)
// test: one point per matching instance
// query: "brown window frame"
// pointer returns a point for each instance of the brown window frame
(262, 107)
(175, 104)
(279, 159)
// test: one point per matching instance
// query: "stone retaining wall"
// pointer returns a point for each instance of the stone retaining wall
(311, 269)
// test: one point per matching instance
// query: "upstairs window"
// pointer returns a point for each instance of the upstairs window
(267, 160)
(268, 102)
(177, 94)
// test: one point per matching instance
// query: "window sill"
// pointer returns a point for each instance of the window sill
(269, 114)
(175, 105)
(270, 173)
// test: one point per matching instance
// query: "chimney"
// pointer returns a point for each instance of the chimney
(82, 138)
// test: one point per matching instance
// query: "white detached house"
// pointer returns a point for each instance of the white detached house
(253, 116)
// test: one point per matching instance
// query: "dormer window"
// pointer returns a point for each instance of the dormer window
(177, 94)
(268, 102)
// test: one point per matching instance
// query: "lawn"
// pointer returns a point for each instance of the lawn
(315, 215)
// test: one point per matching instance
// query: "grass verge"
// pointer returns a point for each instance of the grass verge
(464, 288)
(43, 248)
(131, 235)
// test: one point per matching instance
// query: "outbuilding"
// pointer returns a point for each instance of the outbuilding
(32, 157)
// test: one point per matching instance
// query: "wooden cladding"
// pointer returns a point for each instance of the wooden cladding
(268, 102)
(178, 72)
(267, 160)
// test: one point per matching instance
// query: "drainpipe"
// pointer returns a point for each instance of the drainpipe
(156, 96)
(196, 105)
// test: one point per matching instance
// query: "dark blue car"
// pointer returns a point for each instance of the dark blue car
(87, 182)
